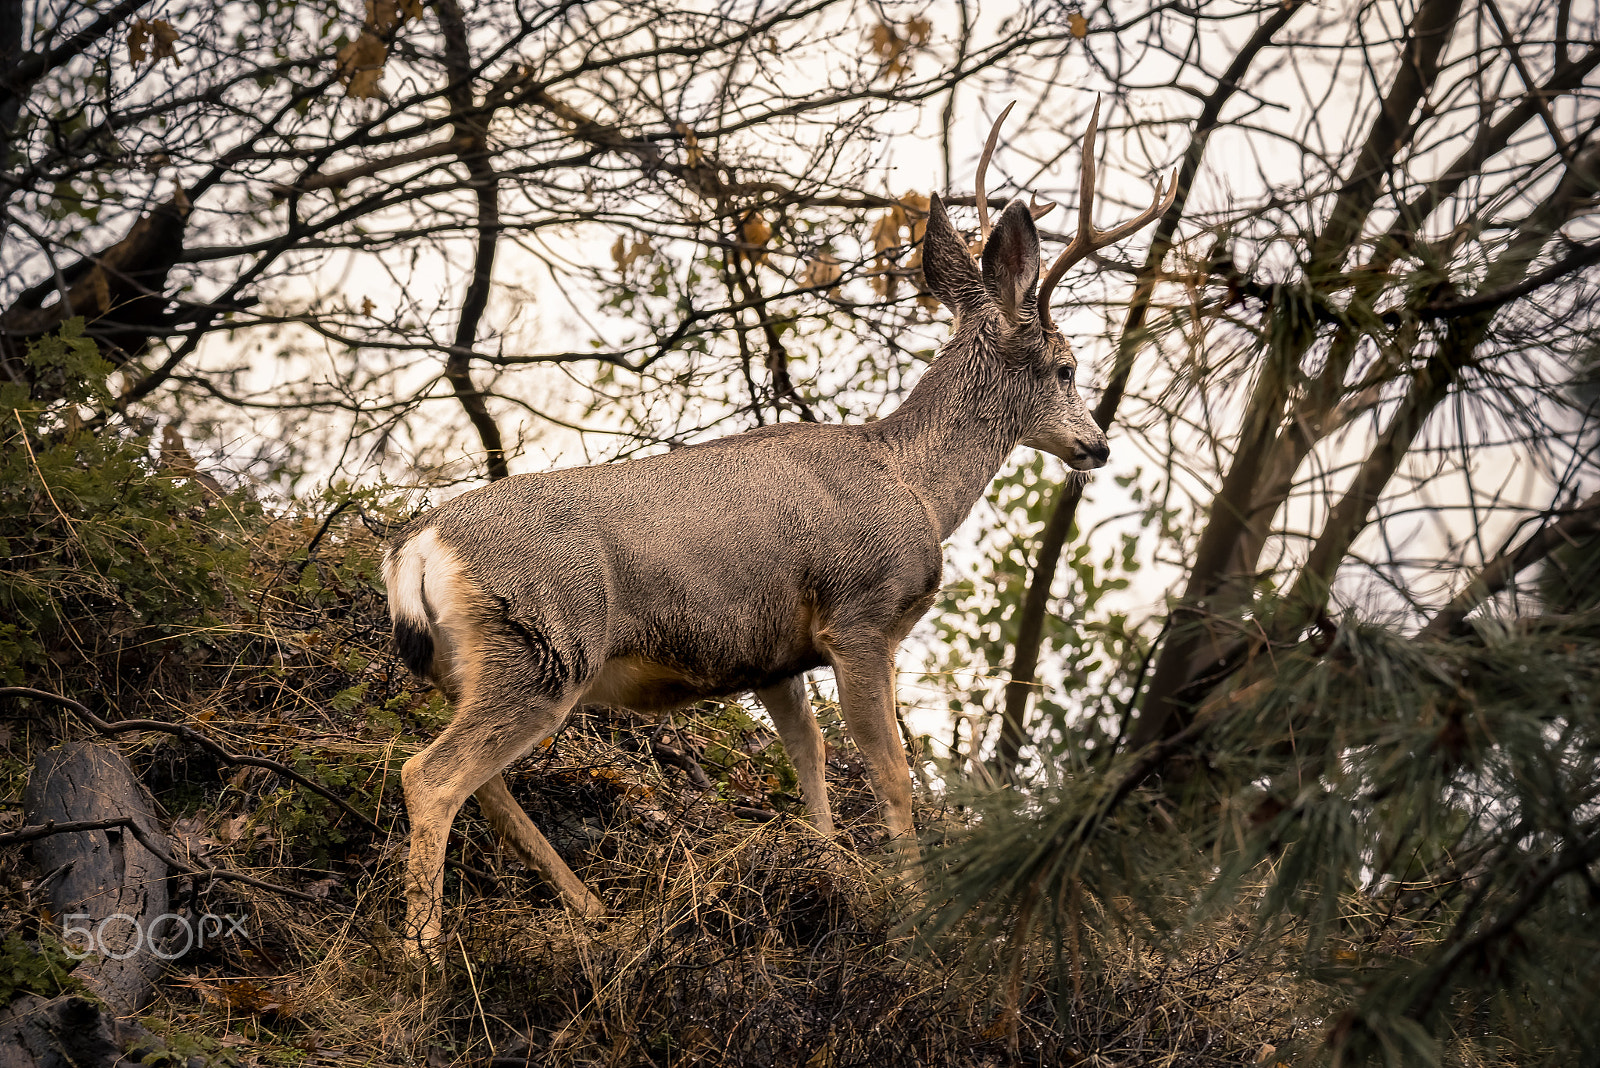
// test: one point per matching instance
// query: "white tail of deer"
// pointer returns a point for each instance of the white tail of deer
(733, 566)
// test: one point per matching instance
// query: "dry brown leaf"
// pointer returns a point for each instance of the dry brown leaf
(889, 46)
(625, 255)
(916, 214)
(894, 46)
(383, 15)
(361, 61)
(246, 996)
(822, 1057)
(144, 32)
(886, 236)
(160, 38)
(693, 156)
(364, 84)
(756, 230)
(885, 42)
(166, 37)
(1077, 25)
(100, 286)
(886, 231)
(367, 307)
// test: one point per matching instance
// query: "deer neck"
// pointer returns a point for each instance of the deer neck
(952, 434)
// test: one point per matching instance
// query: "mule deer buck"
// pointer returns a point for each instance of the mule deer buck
(735, 565)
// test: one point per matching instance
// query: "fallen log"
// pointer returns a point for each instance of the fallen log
(107, 890)
(112, 886)
(64, 1032)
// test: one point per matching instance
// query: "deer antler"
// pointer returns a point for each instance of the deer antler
(1039, 208)
(983, 165)
(1088, 239)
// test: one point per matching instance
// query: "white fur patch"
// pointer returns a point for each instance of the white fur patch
(425, 581)
(403, 575)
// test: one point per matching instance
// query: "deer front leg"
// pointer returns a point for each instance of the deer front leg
(865, 672)
(790, 710)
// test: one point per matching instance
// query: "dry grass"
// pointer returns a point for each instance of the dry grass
(731, 942)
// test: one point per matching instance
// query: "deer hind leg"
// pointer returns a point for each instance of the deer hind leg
(510, 821)
(488, 731)
(790, 710)
(865, 672)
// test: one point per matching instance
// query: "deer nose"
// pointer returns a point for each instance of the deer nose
(1096, 453)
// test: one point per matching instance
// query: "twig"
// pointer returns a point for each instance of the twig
(217, 873)
(224, 755)
(339, 179)
(35, 831)
(1150, 759)
(1579, 257)
(49, 827)
(1573, 859)
(476, 1000)
(194, 736)
(36, 65)
(668, 755)
(38, 471)
(316, 539)
(1528, 82)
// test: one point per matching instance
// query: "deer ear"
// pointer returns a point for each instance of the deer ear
(1011, 259)
(946, 264)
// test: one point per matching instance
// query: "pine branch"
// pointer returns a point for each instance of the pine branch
(1580, 524)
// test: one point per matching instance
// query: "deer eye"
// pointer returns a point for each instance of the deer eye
(1064, 372)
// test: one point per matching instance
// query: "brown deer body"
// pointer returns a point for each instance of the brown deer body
(727, 567)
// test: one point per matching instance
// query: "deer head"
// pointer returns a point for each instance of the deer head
(1000, 305)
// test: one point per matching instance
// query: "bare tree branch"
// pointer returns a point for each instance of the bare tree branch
(1030, 626)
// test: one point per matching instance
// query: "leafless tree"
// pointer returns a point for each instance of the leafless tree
(1395, 301)
(370, 203)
